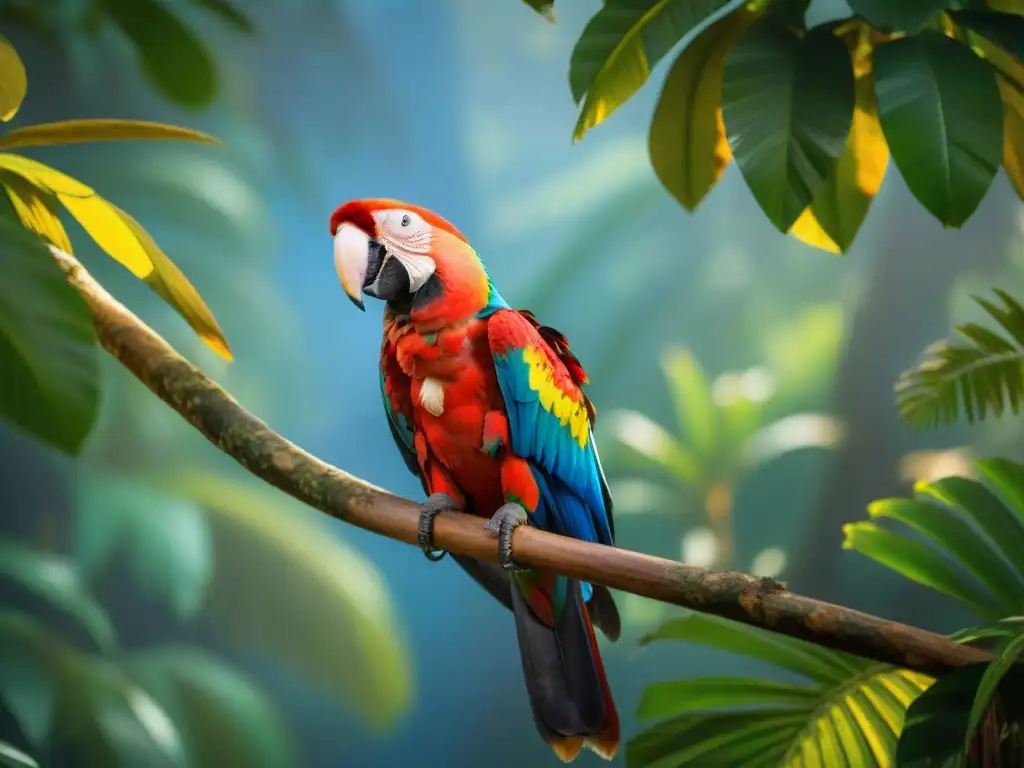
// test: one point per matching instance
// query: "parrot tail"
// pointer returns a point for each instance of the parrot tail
(569, 694)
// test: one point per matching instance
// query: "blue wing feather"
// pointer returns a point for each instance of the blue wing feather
(573, 489)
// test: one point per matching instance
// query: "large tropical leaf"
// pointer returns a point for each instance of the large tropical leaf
(972, 539)
(900, 15)
(838, 209)
(985, 374)
(938, 728)
(48, 352)
(56, 588)
(284, 586)
(844, 711)
(942, 115)
(622, 43)
(122, 238)
(13, 81)
(224, 718)
(688, 147)
(84, 706)
(788, 106)
(164, 539)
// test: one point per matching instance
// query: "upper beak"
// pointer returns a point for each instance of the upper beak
(351, 258)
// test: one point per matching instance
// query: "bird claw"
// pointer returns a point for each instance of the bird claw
(435, 504)
(502, 524)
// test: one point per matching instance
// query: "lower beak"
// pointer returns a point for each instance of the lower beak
(351, 258)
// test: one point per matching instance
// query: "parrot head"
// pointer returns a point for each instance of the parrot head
(399, 252)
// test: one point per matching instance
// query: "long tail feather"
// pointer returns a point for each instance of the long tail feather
(569, 695)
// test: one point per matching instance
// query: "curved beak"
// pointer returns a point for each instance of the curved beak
(351, 259)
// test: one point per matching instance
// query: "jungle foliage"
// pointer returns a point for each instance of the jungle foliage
(77, 686)
(812, 115)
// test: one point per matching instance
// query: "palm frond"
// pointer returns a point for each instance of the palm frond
(969, 543)
(983, 375)
(845, 711)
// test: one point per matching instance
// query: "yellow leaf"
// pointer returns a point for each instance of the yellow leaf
(124, 240)
(13, 81)
(168, 282)
(36, 211)
(838, 210)
(688, 146)
(43, 176)
(1010, 79)
(78, 131)
(807, 230)
(99, 218)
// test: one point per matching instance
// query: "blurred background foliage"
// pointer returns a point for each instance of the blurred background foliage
(152, 586)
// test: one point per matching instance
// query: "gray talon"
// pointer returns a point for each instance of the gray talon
(502, 524)
(435, 504)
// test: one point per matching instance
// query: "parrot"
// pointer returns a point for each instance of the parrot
(487, 408)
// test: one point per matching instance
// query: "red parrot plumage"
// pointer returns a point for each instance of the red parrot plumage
(488, 409)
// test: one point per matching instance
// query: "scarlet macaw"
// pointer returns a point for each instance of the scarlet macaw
(487, 408)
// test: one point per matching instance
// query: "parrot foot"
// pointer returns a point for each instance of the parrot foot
(435, 504)
(502, 524)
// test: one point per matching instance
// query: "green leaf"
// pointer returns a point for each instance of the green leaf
(27, 686)
(1007, 478)
(937, 721)
(100, 717)
(986, 374)
(13, 81)
(655, 446)
(54, 581)
(840, 206)
(820, 665)
(545, 8)
(176, 61)
(958, 541)
(975, 502)
(228, 13)
(942, 114)
(225, 719)
(48, 352)
(1004, 29)
(621, 44)
(79, 131)
(687, 143)
(679, 696)
(919, 563)
(788, 107)
(847, 716)
(994, 674)
(14, 758)
(691, 397)
(166, 539)
(900, 15)
(332, 606)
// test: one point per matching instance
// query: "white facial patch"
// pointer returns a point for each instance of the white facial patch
(432, 396)
(407, 237)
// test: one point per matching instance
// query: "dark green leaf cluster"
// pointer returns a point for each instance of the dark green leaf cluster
(78, 698)
(963, 538)
(171, 54)
(811, 116)
(967, 541)
(983, 375)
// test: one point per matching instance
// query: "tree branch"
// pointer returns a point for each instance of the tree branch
(279, 462)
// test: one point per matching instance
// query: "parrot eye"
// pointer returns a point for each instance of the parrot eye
(405, 220)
